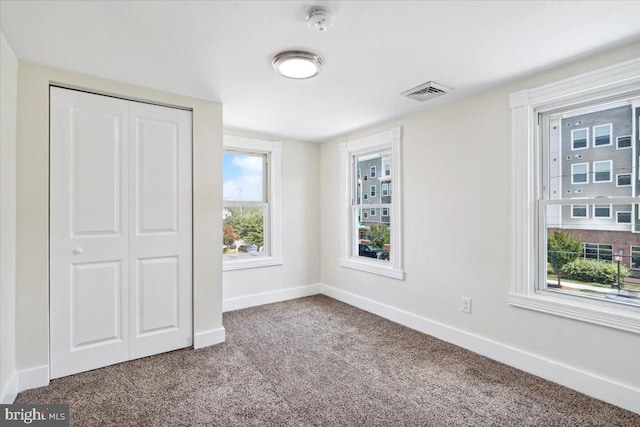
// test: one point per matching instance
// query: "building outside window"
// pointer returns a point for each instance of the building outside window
(579, 139)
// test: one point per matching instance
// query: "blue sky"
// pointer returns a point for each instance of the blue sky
(242, 177)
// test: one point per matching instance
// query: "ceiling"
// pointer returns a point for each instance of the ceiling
(222, 51)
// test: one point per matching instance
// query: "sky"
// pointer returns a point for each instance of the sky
(243, 177)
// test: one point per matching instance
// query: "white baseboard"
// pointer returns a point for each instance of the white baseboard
(208, 338)
(33, 378)
(238, 303)
(617, 394)
(10, 390)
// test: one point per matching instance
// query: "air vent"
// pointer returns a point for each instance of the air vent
(578, 156)
(579, 190)
(426, 91)
(568, 157)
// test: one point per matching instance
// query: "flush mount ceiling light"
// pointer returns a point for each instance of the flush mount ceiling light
(297, 64)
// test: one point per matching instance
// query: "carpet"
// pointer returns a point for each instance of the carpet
(318, 362)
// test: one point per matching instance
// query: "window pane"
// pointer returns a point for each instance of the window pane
(243, 230)
(370, 164)
(373, 235)
(583, 254)
(587, 172)
(243, 177)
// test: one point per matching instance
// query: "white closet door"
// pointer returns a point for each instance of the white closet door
(89, 220)
(120, 226)
(160, 232)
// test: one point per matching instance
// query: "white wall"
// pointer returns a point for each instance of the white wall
(8, 102)
(457, 219)
(32, 291)
(300, 238)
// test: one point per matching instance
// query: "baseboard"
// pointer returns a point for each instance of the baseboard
(10, 390)
(611, 392)
(239, 303)
(208, 338)
(33, 378)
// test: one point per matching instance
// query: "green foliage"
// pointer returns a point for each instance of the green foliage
(379, 235)
(247, 224)
(589, 270)
(562, 249)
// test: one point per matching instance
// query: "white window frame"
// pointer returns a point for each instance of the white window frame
(373, 190)
(373, 212)
(573, 139)
(385, 212)
(618, 142)
(372, 171)
(526, 105)
(586, 210)
(273, 214)
(593, 136)
(610, 163)
(384, 192)
(387, 172)
(600, 206)
(631, 256)
(586, 173)
(630, 175)
(627, 212)
(390, 139)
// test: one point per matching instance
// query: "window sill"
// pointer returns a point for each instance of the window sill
(241, 264)
(618, 318)
(372, 267)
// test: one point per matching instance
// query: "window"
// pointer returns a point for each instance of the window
(366, 177)
(602, 135)
(579, 138)
(602, 171)
(366, 196)
(635, 257)
(251, 206)
(385, 189)
(580, 173)
(623, 180)
(387, 170)
(623, 142)
(372, 191)
(598, 251)
(579, 211)
(375, 245)
(542, 120)
(623, 217)
(602, 211)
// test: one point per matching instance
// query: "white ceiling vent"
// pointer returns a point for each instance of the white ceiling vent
(426, 91)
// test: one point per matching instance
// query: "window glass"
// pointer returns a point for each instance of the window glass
(243, 176)
(601, 135)
(580, 173)
(602, 211)
(602, 171)
(579, 211)
(624, 141)
(579, 138)
(623, 180)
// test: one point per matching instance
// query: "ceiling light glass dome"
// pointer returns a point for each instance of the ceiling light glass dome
(297, 64)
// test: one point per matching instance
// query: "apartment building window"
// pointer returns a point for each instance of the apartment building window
(580, 173)
(579, 211)
(387, 170)
(598, 251)
(385, 189)
(602, 135)
(623, 217)
(602, 171)
(602, 211)
(623, 142)
(635, 257)
(579, 139)
(557, 118)
(623, 180)
(251, 206)
(373, 245)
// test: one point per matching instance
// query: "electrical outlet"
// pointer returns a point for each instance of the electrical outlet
(465, 305)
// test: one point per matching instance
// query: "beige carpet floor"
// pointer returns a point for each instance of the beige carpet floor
(318, 362)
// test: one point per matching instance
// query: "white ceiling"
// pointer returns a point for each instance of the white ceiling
(222, 51)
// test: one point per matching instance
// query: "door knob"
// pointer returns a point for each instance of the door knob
(77, 250)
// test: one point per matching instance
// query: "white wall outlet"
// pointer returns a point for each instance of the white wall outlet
(465, 305)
